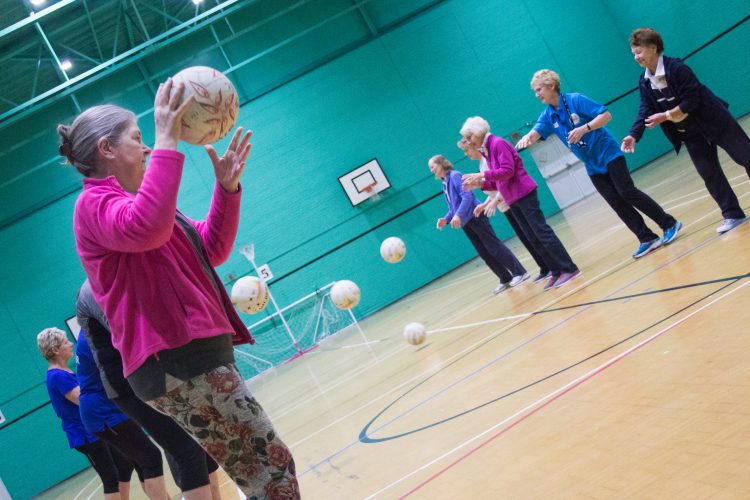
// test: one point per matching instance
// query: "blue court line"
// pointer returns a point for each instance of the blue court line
(543, 379)
(363, 434)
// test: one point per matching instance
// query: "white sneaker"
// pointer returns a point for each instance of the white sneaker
(729, 224)
(500, 288)
(517, 280)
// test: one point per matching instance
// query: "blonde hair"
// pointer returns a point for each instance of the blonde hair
(546, 77)
(476, 125)
(442, 162)
(49, 341)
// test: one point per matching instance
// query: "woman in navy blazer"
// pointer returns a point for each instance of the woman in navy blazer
(461, 205)
(688, 113)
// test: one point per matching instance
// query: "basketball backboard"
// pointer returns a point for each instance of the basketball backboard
(364, 182)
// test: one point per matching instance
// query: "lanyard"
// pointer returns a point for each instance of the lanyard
(580, 144)
(567, 109)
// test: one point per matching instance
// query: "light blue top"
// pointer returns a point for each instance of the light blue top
(600, 147)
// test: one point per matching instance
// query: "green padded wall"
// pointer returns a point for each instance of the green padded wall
(401, 98)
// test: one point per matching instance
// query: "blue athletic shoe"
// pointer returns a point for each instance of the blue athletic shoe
(647, 247)
(670, 233)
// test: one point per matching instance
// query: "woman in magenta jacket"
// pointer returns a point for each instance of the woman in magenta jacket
(151, 271)
(507, 175)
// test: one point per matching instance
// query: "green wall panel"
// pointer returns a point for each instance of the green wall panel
(400, 98)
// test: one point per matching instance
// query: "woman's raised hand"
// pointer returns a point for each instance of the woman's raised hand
(168, 114)
(229, 167)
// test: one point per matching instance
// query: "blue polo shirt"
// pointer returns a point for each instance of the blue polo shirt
(59, 383)
(97, 411)
(601, 146)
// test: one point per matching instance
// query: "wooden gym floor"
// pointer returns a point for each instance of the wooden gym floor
(630, 382)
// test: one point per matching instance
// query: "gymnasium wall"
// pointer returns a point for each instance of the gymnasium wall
(400, 98)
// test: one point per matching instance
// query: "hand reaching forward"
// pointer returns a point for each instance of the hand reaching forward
(229, 168)
(628, 145)
(471, 181)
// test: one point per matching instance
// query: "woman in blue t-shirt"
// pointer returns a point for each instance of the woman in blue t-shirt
(102, 418)
(62, 386)
(579, 123)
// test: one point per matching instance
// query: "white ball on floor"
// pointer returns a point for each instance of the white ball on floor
(392, 250)
(345, 294)
(415, 333)
(249, 294)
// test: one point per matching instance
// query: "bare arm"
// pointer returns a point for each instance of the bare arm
(528, 139)
(599, 121)
(74, 395)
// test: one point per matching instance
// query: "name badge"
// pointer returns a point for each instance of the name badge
(576, 119)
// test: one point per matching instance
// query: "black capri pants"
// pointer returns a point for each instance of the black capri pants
(189, 462)
(129, 439)
(111, 466)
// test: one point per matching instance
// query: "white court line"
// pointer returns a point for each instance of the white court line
(479, 323)
(86, 486)
(448, 360)
(371, 364)
(418, 376)
(697, 191)
(344, 379)
(579, 248)
(702, 197)
(693, 193)
(711, 215)
(577, 381)
(481, 303)
(496, 333)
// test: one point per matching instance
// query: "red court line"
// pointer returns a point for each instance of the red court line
(575, 384)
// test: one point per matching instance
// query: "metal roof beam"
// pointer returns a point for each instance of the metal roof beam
(93, 30)
(53, 33)
(36, 17)
(128, 57)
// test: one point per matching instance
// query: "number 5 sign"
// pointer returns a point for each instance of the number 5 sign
(265, 272)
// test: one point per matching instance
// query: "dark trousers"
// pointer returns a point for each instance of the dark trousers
(190, 464)
(543, 269)
(111, 466)
(617, 188)
(493, 252)
(129, 439)
(705, 157)
(530, 218)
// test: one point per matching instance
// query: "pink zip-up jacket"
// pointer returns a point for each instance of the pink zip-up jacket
(144, 272)
(506, 172)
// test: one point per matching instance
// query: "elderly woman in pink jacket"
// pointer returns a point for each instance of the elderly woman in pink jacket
(151, 270)
(507, 175)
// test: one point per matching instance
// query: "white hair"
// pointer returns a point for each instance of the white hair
(476, 125)
(49, 341)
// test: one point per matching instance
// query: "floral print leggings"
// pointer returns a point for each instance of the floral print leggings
(217, 409)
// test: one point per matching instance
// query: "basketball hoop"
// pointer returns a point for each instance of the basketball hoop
(370, 192)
